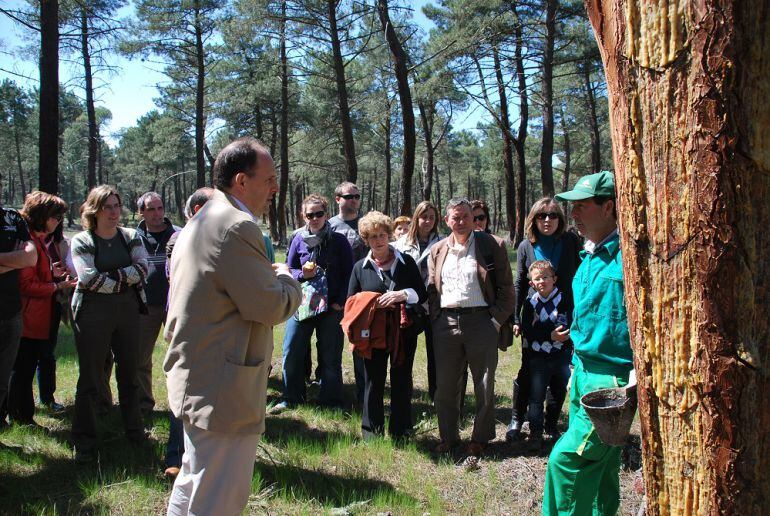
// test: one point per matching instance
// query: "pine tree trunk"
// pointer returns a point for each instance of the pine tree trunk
(427, 116)
(546, 149)
(400, 64)
(508, 144)
(388, 162)
(348, 144)
(93, 129)
(593, 122)
(48, 140)
(688, 89)
(521, 134)
(200, 120)
(284, 144)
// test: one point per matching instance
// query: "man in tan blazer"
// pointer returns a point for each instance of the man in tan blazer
(471, 296)
(225, 297)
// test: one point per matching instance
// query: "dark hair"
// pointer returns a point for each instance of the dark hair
(530, 227)
(198, 198)
(39, 207)
(316, 199)
(478, 204)
(600, 200)
(238, 156)
(141, 202)
(339, 191)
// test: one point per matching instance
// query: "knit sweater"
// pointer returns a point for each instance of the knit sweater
(90, 279)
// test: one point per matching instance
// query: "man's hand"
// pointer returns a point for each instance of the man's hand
(516, 330)
(389, 299)
(337, 307)
(560, 334)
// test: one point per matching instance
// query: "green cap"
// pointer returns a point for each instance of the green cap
(601, 184)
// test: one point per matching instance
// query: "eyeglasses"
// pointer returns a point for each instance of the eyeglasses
(550, 215)
(350, 196)
(480, 218)
(315, 214)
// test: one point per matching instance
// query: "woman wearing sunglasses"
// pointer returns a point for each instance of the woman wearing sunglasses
(316, 250)
(43, 213)
(546, 239)
(480, 216)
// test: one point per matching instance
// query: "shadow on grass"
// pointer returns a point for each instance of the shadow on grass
(280, 431)
(296, 483)
(60, 485)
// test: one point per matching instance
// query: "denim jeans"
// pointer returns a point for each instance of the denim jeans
(10, 335)
(296, 342)
(546, 369)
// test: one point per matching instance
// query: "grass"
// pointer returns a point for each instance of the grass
(310, 460)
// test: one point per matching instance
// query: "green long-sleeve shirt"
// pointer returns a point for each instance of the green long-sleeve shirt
(599, 329)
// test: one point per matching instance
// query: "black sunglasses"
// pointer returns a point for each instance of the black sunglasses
(315, 214)
(480, 218)
(350, 196)
(551, 215)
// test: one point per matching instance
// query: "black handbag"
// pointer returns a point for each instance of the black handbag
(419, 317)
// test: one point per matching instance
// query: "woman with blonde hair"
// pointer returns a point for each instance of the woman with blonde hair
(397, 278)
(422, 235)
(547, 238)
(111, 264)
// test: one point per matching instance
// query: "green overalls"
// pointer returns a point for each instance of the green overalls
(582, 474)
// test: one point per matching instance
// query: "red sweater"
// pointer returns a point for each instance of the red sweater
(37, 290)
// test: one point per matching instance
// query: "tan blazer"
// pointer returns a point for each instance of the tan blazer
(501, 298)
(224, 300)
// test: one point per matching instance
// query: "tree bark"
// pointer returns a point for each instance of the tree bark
(508, 144)
(388, 161)
(348, 144)
(593, 121)
(521, 134)
(17, 144)
(284, 143)
(200, 120)
(689, 109)
(400, 64)
(567, 147)
(93, 129)
(546, 149)
(48, 139)
(427, 117)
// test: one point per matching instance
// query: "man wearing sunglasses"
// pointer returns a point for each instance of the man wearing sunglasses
(348, 199)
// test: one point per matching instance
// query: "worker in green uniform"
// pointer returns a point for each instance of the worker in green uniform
(582, 475)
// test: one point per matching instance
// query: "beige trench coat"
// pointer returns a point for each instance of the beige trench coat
(224, 300)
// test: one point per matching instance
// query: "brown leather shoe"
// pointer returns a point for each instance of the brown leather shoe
(443, 447)
(171, 472)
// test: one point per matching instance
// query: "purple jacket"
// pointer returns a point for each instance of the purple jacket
(337, 251)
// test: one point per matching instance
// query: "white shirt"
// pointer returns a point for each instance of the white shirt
(411, 294)
(460, 286)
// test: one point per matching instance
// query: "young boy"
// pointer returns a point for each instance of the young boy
(545, 321)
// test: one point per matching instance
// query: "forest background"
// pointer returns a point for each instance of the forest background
(381, 93)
